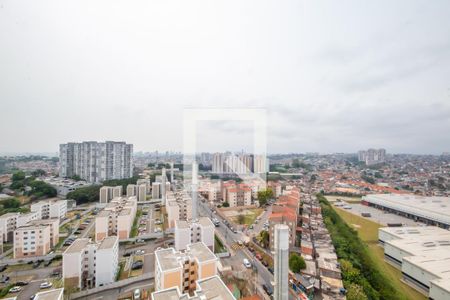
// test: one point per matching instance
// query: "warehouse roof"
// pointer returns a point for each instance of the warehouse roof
(432, 208)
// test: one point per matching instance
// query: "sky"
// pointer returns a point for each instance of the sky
(332, 76)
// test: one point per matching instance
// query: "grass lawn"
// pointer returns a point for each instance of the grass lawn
(22, 267)
(134, 229)
(347, 199)
(368, 232)
(249, 217)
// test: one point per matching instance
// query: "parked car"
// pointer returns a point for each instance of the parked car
(246, 263)
(15, 289)
(265, 263)
(270, 270)
(45, 285)
(258, 256)
(4, 279)
(140, 241)
(21, 283)
(36, 264)
(137, 265)
(268, 289)
(47, 263)
(137, 294)
(3, 268)
(140, 252)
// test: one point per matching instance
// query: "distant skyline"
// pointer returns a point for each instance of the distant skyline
(333, 76)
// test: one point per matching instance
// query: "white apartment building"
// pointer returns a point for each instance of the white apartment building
(116, 218)
(32, 240)
(96, 162)
(157, 189)
(54, 229)
(138, 190)
(211, 288)
(107, 193)
(145, 181)
(87, 264)
(10, 221)
(51, 208)
(236, 194)
(194, 231)
(178, 207)
(372, 156)
(181, 269)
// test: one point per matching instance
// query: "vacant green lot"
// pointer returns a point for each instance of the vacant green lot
(368, 232)
(332, 198)
(248, 216)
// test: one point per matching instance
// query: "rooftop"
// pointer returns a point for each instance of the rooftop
(108, 242)
(211, 288)
(169, 259)
(432, 208)
(77, 246)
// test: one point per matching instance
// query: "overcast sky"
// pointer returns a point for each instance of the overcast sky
(334, 76)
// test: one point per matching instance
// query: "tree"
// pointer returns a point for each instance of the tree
(11, 203)
(38, 173)
(264, 238)
(349, 273)
(355, 292)
(241, 219)
(76, 178)
(41, 189)
(226, 204)
(264, 196)
(18, 176)
(296, 263)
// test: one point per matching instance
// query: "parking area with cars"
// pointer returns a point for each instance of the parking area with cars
(374, 214)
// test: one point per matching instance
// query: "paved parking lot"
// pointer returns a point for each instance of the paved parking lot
(150, 221)
(379, 216)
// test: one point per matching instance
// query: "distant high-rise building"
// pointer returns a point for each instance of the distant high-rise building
(281, 262)
(372, 156)
(96, 162)
(239, 164)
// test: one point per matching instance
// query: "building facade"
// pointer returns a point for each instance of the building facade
(194, 231)
(87, 264)
(178, 207)
(116, 219)
(182, 269)
(96, 162)
(107, 193)
(50, 209)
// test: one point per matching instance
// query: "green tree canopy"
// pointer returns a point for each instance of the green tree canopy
(356, 292)
(296, 263)
(18, 176)
(264, 196)
(11, 203)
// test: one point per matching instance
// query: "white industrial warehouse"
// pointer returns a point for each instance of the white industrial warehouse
(430, 210)
(423, 255)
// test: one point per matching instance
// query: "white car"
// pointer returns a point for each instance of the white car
(137, 294)
(45, 285)
(140, 252)
(246, 263)
(15, 289)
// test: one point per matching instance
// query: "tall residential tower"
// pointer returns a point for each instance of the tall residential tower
(96, 162)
